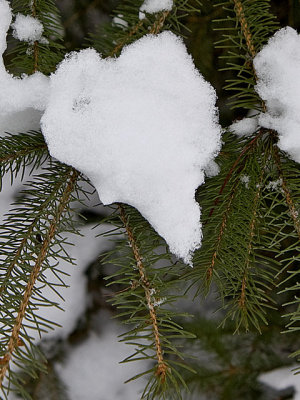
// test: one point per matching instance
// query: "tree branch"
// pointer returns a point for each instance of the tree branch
(14, 338)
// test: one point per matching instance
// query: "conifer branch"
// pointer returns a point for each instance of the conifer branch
(14, 338)
(210, 269)
(145, 283)
(245, 151)
(155, 29)
(245, 27)
(131, 33)
(159, 23)
(242, 299)
(9, 158)
(287, 194)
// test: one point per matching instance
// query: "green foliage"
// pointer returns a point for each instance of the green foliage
(150, 284)
(112, 37)
(31, 243)
(245, 28)
(42, 56)
(21, 151)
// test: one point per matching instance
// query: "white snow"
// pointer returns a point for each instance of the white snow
(92, 370)
(275, 185)
(142, 127)
(154, 6)
(119, 20)
(282, 378)
(22, 121)
(277, 67)
(244, 127)
(18, 95)
(245, 179)
(211, 169)
(27, 28)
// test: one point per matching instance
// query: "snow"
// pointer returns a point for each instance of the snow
(18, 96)
(277, 67)
(92, 370)
(245, 179)
(118, 20)
(22, 121)
(244, 127)
(141, 130)
(27, 28)
(275, 185)
(211, 169)
(154, 6)
(282, 378)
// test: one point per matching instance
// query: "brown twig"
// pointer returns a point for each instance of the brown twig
(14, 338)
(245, 28)
(131, 33)
(145, 283)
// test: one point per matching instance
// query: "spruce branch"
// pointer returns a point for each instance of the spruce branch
(288, 197)
(53, 227)
(245, 28)
(20, 151)
(144, 281)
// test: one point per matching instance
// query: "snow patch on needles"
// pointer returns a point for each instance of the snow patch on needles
(155, 6)
(18, 94)
(27, 28)
(277, 66)
(244, 127)
(142, 127)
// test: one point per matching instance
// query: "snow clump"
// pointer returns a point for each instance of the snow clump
(154, 6)
(142, 127)
(18, 95)
(277, 67)
(119, 20)
(27, 28)
(244, 127)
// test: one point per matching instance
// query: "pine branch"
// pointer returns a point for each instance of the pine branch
(288, 197)
(44, 209)
(39, 56)
(111, 38)
(249, 26)
(144, 293)
(144, 281)
(19, 151)
(245, 28)
(14, 338)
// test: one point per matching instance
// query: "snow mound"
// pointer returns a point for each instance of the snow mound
(277, 66)
(142, 127)
(27, 28)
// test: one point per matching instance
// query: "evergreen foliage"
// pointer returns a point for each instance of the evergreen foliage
(250, 219)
